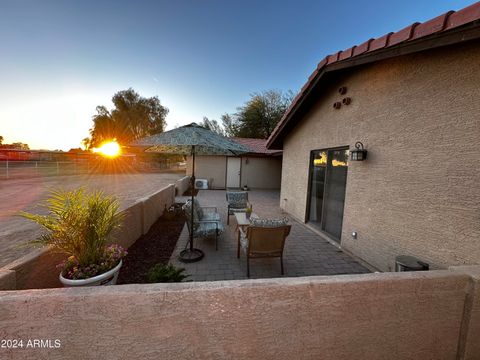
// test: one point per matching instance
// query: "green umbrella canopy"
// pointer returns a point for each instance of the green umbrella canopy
(191, 140)
(182, 139)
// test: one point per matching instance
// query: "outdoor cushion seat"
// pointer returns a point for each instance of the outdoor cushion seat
(215, 216)
(258, 222)
(237, 201)
(265, 240)
(206, 229)
(206, 221)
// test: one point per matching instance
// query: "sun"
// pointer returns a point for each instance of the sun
(109, 149)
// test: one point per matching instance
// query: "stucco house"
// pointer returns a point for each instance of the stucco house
(412, 98)
(259, 169)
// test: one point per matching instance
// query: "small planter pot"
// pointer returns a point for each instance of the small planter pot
(107, 278)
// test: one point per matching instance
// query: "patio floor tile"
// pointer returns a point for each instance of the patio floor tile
(306, 253)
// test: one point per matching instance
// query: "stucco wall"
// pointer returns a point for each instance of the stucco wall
(418, 192)
(182, 185)
(469, 344)
(374, 316)
(155, 205)
(261, 172)
(212, 168)
(7, 280)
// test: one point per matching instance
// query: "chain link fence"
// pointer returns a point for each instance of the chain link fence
(25, 168)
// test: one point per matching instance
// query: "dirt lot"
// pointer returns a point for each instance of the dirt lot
(25, 194)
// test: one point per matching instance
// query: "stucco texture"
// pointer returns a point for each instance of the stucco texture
(417, 193)
(374, 316)
(212, 168)
(261, 172)
(257, 172)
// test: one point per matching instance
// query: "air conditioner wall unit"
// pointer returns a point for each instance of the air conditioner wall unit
(201, 184)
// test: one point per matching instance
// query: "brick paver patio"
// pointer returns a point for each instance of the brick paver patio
(306, 253)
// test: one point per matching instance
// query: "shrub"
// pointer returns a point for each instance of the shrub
(79, 224)
(161, 273)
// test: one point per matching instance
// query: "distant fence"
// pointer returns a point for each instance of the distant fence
(26, 168)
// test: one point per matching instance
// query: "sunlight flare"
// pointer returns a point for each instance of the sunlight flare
(109, 149)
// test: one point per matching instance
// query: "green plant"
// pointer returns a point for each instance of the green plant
(166, 273)
(79, 224)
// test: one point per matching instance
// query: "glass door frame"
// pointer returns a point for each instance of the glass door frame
(320, 225)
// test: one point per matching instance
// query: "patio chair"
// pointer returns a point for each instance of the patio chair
(237, 201)
(264, 239)
(206, 221)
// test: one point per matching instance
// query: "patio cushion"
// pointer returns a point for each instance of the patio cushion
(188, 211)
(211, 216)
(243, 241)
(198, 209)
(205, 229)
(237, 199)
(269, 222)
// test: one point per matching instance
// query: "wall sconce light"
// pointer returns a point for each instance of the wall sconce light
(359, 154)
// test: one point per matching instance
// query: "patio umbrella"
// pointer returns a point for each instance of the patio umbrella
(192, 140)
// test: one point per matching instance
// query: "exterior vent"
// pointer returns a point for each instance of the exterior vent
(201, 184)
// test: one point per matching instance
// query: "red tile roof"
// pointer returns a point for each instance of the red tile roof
(440, 24)
(258, 146)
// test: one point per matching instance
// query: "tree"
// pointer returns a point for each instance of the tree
(212, 125)
(15, 145)
(229, 126)
(19, 146)
(258, 116)
(132, 117)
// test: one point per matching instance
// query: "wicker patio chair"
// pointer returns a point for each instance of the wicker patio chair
(237, 201)
(264, 242)
(206, 221)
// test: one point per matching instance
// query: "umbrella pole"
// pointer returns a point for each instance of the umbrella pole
(191, 254)
(192, 194)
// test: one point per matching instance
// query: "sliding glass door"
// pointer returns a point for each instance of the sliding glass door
(328, 180)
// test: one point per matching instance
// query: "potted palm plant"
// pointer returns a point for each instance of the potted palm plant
(80, 224)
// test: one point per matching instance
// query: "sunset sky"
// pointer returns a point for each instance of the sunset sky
(60, 59)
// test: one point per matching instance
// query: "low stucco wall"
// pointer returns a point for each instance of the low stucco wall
(7, 280)
(182, 185)
(132, 227)
(470, 337)
(374, 316)
(37, 270)
(154, 206)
